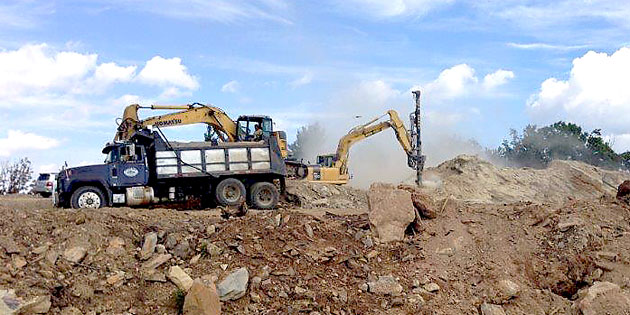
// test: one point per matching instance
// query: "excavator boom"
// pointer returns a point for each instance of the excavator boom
(190, 114)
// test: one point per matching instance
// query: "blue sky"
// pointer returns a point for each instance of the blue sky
(68, 68)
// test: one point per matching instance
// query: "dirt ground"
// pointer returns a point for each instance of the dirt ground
(528, 257)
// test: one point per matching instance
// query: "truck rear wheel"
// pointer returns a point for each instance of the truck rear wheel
(87, 197)
(264, 195)
(230, 192)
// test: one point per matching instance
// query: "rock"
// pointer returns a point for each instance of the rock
(213, 250)
(170, 242)
(116, 246)
(156, 261)
(424, 204)
(117, 279)
(624, 189)
(567, 223)
(415, 300)
(508, 289)
(148, 247)
(431, 287)
(51, 257)
(255, 283)
(278, 220)
(9, 302)
(160, 249)
(195, 259)
(39, 250)
(18, 261)
(367, 242)
(364, 287)
(283, 294)
(180, 278)
(343, 296)
(202, 300)
(603, 298)
(255, 297)
(309, 230)
(153, 275)
(38, 305)
(386, 285)
(234, 286)
(182, 250)
(9, 245)
(211, 229)
(391, 211)
(75, 254)
(71, 310)
(491, 309)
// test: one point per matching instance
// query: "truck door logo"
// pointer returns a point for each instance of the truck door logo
(131, 172)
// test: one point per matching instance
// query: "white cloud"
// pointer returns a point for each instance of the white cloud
(231, 87)
(497, 78)
(595, 95)
(34, 69)
(392, 8)
(304, 80)
(18, 142)
(452, 82)
(166, 73)
(544, 46)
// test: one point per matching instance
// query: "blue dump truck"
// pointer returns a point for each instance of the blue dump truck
(148, 169)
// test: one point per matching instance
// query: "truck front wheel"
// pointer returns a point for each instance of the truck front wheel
(87, 197)
(264, 195)
(230, 192)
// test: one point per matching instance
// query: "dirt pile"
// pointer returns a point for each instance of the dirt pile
(472, 179)
(315, 195)
(521, 258)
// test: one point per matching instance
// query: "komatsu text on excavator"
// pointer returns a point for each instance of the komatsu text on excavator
(333, 168)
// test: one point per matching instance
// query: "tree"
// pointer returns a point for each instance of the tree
(309, 141)
(15, 177)
(537, 147)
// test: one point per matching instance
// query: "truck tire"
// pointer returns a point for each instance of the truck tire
(264, 195)
(230, 192)
(87, 197)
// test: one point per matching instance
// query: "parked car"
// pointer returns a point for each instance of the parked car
(44, 185)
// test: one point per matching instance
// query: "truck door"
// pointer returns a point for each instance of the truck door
(131, 168)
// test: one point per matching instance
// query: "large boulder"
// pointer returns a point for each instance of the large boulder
(234, 286)
(603, 298)
(421, 201)
(202, 300)
(391, 211)
(624, 189)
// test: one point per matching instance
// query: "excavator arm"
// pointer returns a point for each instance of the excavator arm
(190, 114)
(368, 129)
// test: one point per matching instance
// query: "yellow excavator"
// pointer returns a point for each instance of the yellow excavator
(333, 168)
(221, 128)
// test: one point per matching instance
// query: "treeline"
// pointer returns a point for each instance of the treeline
(537, 147)
(15, 177)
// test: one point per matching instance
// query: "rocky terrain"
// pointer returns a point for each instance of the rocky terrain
(390, 250)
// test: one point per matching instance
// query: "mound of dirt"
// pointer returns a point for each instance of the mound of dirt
(522, 258)
(314, 195)
(472, 179)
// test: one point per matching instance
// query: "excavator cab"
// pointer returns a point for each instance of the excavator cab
(247, 127)
(326, 160)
